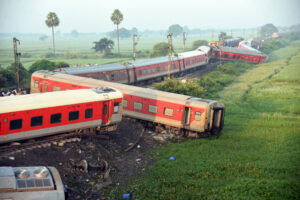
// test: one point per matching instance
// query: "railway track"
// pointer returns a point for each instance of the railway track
(43, 142)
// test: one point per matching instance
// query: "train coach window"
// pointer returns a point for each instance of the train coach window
(226, 55)
(149, 70)
(88, 113)
(74, 115)
(157, 69)
(140, 72)
(145, 71)
(104, 112)
(153, 70)
(55, 88)
(168, 112)
(238, 57)
(15, 124)
(197, 116)
(174, 66)
(229, 56)
(125, 103)
(55, 118)
(116, 107)
(101, 77)
(107, 77)
(112, 77)
(233, 56)
(246, 58)
(137, 106)
(152, 109)
(242, 57)
(46, 87)
(122, 75)
(118, 76)
(162, 68)
(36, 121)
(36, 84)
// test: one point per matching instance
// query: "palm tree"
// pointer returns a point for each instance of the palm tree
(52, 21)
(117, 18)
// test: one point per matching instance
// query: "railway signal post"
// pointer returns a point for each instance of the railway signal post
(170, 52)
(17, 60)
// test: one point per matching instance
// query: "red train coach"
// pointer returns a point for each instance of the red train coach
(227, 53)
(185, 113)
(145, 70)
(36, 115)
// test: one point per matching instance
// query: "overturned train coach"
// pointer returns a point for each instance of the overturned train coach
(37, 115)
(186, 114)
(238, 54)
(31, 183)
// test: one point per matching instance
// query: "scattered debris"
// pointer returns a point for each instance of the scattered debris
(84, 166)
(127, 196)
(172, 158)
(11, 158)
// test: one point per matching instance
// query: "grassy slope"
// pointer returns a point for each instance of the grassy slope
(256, 157)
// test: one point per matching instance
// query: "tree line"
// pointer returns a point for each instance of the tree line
(8, 77)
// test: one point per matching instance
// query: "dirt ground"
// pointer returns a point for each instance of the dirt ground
(88, 165)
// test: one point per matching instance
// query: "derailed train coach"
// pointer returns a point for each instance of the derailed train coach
(189, 115)
(38, 115)
(31, 183)
(147, 70)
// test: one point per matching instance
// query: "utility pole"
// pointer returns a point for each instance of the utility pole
(17, 60)
(184, 39)
(170, 53)
(134, 43)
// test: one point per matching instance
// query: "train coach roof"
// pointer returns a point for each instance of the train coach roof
(92, 69)
(125, 89)
(241, 51)
(197, 52)
(54, 99)
(152, 61)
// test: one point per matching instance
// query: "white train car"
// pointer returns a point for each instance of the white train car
(31, 183)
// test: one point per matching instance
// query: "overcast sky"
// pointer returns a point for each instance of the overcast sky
(28, 16)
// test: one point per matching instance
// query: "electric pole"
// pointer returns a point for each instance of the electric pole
(184, 39)
(134, 43)
(17, 60)
(170, 53)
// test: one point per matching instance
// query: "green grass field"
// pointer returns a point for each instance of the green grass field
(256, 157)
(81, 47)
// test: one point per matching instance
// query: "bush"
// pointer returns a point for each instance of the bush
(199, 43)
(42, 65)
(176, 86)
(8, 76)
(208, 85)
(61, 64)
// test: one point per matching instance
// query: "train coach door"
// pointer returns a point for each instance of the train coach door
(105, 112)
(187, 116)
(217, 123)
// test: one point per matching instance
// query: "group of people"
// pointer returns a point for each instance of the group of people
(14, 91)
